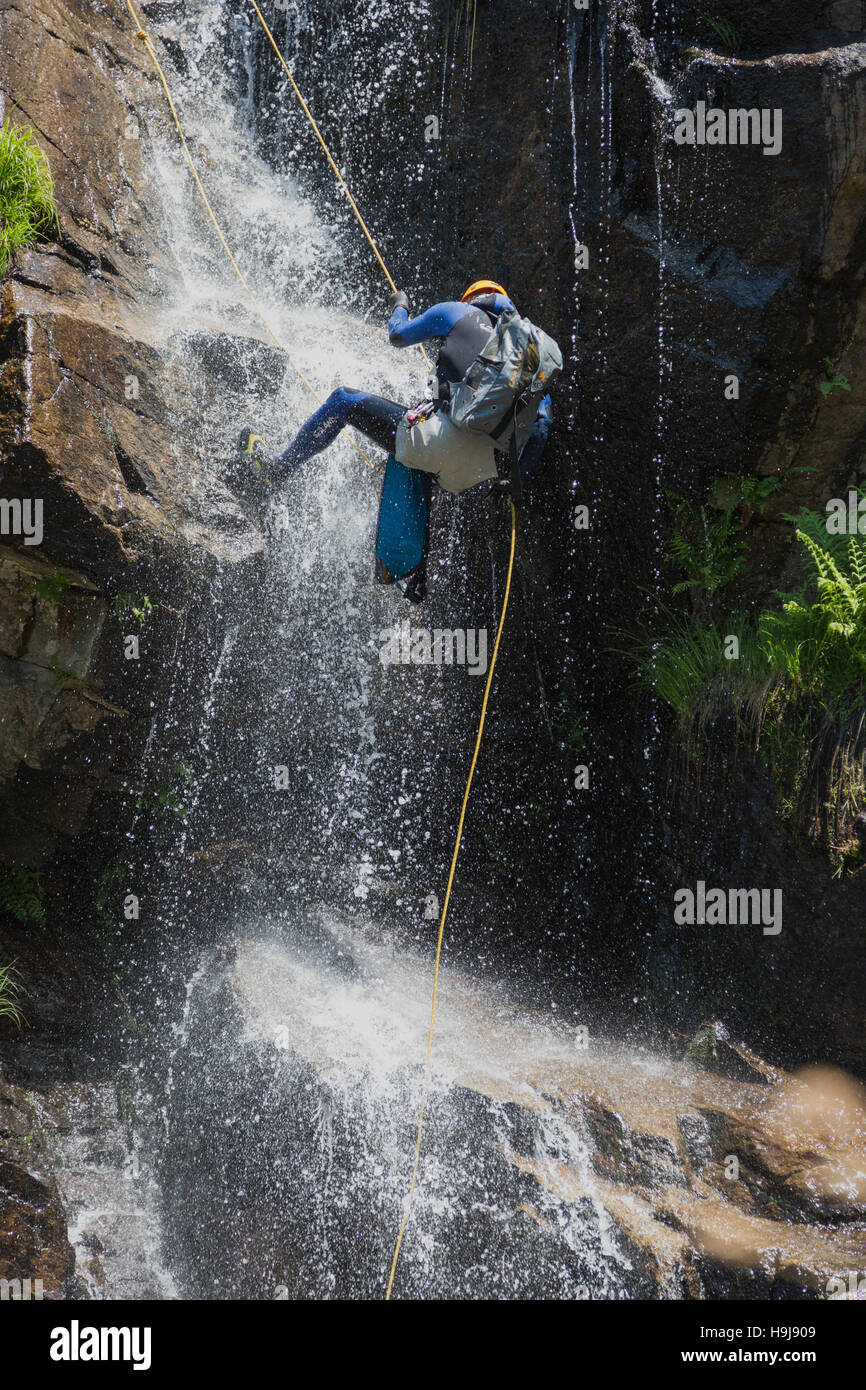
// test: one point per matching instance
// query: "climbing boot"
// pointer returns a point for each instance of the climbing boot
(250, 449)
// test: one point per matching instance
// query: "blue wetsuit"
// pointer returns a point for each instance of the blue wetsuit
(464, 330)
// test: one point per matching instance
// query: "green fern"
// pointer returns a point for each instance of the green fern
(707, 547)
(21, 894)
(748, 492)
(796, 688)
(818, 637)
(710, 544)
(814, 525)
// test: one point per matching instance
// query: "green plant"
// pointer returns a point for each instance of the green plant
(692, 668)
(109, 880)
(792, 681)
(138, 605)
(28, 210)
(22, 893)
(106, 925)
(52, 587)
(817, 640)
(833, 381)
(749, 493)
(724, 30)
(166, 796)
(63, 678)
(570, 728)
(708, 547)
(10, 989)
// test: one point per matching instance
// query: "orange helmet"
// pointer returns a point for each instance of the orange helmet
(483, 287)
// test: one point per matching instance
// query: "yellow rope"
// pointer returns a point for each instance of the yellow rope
(140, 34)
(425, 1083)
(342, 182)
(426, 1080)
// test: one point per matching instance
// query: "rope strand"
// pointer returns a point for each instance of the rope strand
(426, 1081)
(330, 158)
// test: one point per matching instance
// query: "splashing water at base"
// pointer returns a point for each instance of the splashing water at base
(305, 1091)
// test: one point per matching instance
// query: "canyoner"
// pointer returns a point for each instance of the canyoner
(485, 419)
(488, 394)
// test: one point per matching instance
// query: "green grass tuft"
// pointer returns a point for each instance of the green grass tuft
(10, 988)
(28, 211)
(724, 30)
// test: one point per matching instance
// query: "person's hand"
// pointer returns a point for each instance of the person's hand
(398, 300)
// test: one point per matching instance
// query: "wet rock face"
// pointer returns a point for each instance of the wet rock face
(95, 427)
(703, 262)
(557, 132)
(34, 1248)
(89, 387)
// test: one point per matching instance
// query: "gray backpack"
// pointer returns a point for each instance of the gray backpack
(501, 391)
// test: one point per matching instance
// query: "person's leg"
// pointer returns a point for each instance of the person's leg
(373, 415)
(377, 418)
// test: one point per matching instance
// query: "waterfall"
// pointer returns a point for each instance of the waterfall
(284, 1091)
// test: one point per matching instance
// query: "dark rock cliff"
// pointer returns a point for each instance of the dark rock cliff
(93, 425)
(555, 132)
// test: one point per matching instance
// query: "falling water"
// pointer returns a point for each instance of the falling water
(302, 1023)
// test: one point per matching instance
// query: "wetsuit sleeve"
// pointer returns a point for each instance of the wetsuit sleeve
(434, 323)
